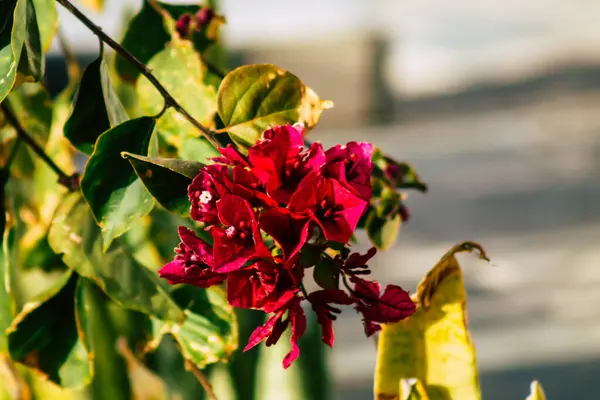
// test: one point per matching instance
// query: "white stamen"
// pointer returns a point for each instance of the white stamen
(205, 197)
(230, 231)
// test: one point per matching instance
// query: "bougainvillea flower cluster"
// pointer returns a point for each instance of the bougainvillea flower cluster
(272, 215)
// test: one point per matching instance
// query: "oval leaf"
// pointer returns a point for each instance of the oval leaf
(167, 179)
(47, 21)
(75, 235)
(96, 108)
(32, 61)
(44, 336)
(209, 333)
(434, 344)
(253, 97)
(179, 69)
(115, 195)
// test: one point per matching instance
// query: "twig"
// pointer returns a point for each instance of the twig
(202, 379)
(169, 100)
(71, 182)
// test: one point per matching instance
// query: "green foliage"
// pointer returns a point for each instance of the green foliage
(115, 195)
(96, 108)
(254, 97)
(167, 179)
(81, 303)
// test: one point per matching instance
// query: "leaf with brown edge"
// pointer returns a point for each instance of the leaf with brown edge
(434, 344)
(254, 97)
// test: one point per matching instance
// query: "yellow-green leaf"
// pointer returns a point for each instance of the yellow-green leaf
(433, 345)
(179, 69)
(253, 97)
(537, 393)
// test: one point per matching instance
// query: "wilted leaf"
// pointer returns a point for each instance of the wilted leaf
(433, 345)
(382, 232)
(209, 333)
(75, 234)
(167, 179)
(112, 189)
(179, 69)
(44, 336)
(537, 393)
(252, 98)
(144, 43)
(96, 108)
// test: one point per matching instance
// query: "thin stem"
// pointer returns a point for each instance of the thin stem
(70, 182)
(170, 101)
(203, 379)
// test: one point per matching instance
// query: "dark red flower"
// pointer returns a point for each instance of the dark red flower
(240, 240)
(356, 264)
(204, 16)
(230, 156)
(279, 161)
(206, 189)
(183, 25)
(393, 305)
(289, 230)
(352, 166)
(276, 325)
(193, 262)
(265, 285)
(330, 205)
(320, 302)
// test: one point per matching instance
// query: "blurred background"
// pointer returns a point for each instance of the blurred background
(497, 106)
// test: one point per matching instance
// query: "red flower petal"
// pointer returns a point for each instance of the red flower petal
(289, 230)
(298, 323)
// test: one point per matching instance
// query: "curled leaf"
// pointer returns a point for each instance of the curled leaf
(434, 345)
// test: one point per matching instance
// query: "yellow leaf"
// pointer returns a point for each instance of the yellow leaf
(537, 393)
(433, 345)
(96, 5)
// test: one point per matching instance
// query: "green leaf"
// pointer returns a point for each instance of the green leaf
(44, 336)
(12, 37)
(75, 235)
(327, 274)
(115, 195)
(197, 149)
(406, 176)
(167, 179)
(143, 42)
(32, 61)
(179, 69)
(254, 97)
(47, 21)
(209, 333)
(96, 108)
(382, 231)
(100, 335)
